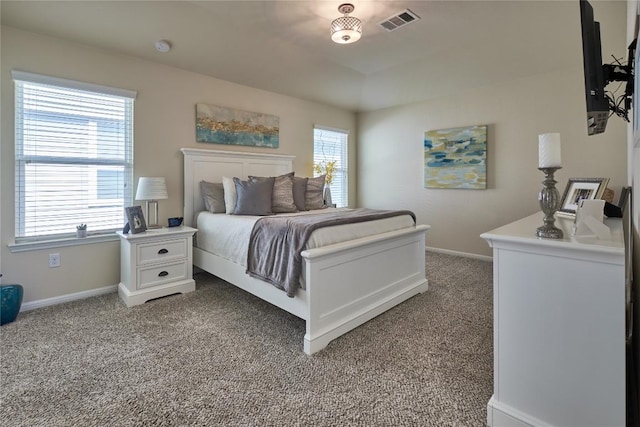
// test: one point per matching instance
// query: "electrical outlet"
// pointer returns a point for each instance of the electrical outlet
(54, 260)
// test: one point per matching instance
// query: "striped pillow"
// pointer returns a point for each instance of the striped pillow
(314, 198)
(282, 196)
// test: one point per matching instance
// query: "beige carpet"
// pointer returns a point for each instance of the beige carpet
(219, 356)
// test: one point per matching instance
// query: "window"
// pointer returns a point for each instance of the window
(74, 156)
(331, 145)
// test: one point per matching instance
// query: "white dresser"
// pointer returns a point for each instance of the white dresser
(155, 263)
(559, 327)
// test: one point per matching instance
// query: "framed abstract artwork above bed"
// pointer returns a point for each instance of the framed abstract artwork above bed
(221, 125)
(456, 158)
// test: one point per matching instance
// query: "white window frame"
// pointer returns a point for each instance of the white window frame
(340, 186)
(26, 241)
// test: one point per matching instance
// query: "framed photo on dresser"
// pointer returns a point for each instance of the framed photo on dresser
(578, 189)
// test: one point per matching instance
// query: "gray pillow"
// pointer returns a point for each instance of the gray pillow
(299, 191)
(254, 197)
(282, 197)
(314, 198)
(213, 196)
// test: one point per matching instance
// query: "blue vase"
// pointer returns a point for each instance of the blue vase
(11, 299)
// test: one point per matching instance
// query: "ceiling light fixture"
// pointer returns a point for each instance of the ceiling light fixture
(346, 29)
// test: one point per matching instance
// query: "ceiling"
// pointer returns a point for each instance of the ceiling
(284, 46)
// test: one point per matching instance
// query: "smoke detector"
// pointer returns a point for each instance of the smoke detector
(163, 46)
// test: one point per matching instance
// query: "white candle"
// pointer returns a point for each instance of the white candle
(549, 150)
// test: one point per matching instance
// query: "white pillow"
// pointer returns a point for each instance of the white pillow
(230, 195)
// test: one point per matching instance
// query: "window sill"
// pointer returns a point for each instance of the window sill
(59, 243)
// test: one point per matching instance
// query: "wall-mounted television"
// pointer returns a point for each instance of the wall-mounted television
(597, 103)
(600, 104)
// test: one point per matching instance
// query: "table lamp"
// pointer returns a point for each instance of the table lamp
(152, 189)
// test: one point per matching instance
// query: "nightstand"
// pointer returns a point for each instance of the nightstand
(155, 263)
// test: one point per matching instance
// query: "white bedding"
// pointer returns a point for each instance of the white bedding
(228, 235)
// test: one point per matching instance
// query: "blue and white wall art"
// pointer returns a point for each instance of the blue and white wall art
(456, 158)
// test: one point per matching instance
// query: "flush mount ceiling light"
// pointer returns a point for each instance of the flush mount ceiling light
(346, 29)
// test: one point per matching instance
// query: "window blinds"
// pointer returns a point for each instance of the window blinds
(74, 156)
(331, 145)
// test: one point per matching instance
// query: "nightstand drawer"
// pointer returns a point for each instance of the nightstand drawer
(161, 251)
(153, 276)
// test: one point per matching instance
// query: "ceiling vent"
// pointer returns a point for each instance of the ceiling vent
(399, 20)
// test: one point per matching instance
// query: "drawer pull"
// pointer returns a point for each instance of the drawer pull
(163, 273)
(163, 251)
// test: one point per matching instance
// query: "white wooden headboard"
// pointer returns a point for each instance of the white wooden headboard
(212, 165)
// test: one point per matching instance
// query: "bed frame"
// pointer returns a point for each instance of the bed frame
(346, 284)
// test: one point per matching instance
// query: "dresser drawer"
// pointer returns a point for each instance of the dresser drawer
(161, 251)
(159, 274)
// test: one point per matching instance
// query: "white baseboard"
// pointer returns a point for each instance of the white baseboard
(501, 415)
(32, 305)
(457, 253)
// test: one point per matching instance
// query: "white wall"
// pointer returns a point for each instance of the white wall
(390, 147)
(164, 122)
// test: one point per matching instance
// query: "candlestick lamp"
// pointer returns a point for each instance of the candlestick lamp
(549, 161)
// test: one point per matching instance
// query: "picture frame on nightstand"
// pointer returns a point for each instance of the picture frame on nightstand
(136, 220)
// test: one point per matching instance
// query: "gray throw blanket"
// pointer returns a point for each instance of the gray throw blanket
(276, 243)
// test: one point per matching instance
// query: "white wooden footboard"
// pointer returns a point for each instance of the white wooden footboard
(350, 283)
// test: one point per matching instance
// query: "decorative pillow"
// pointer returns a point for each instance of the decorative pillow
(253, 197)
(213, 196)
(313, 198)
(282, 197)
(299, 190)
(230, 196)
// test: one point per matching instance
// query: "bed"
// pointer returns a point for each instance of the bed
(345, 284)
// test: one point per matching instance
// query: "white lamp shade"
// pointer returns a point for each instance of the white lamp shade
(152, 188)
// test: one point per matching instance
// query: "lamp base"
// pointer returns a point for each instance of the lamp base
(549, 231)
(150, 225)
